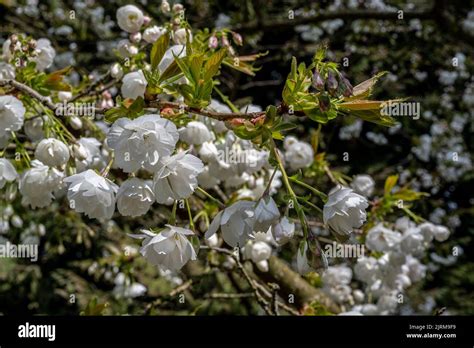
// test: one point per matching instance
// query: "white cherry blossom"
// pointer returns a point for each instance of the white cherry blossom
(177, 177)
(134, 197)
(91, 194)
(170, 248)
(344, 210)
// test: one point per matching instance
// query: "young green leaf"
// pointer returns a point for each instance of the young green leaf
(158, 50)
(390, 182)
(213, 63)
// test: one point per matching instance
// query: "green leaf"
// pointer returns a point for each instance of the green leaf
(213, 64)
(320, 54)
(284, 126)
(195, 64)
(187, 92)
(270, 114)
(182, 64)
(239, 65)
(390, 182)
(364, 89)
(171, 71)
(369, 110)
(158, 50)
(136, 108)
(114, 114)
(408, 195)
(277, 135)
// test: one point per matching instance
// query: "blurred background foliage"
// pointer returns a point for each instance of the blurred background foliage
(80, 259)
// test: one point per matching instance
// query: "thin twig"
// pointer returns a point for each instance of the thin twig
(169, 296)
(253, 284)
(221, 116)
(30, 91)
(258, 289)
(329, 174)
(91, 87)
(231, 296)
(275, 289)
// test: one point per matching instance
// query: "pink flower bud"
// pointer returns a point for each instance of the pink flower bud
(237, 38)
(225, 41)
(135, 37)
(106, 95)
(213, 42)
(177, 8)
(237, 122)
(146, 20)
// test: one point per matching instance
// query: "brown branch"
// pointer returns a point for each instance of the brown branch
(30, 91)
(252, 282)
(229, 296)
(275, 287)
(221, 116)
(174, 292)
(154, 106)
(291, 283)
(256, 286)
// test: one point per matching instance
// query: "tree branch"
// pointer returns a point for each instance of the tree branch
(291, 283)
(29, 91)
(221, 116)
(253, 284)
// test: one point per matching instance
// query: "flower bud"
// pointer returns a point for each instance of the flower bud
(10, 193)
(165, 6)
(146, 20)
(237, 122)
(116, 71)
(331, 83)
(75, 122)
(106, 95)
(79, 151)
(347, 87)
(136, 37)
(237, 38)
(32, 43)
(318, 82)
(324, 102)
(177, 8)
(167, 112)
(180, 36)
(225, 41)
(213, 42)
(13, 39)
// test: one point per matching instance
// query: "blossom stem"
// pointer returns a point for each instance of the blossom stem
(23, 151)
(313, 206)
(172, 219)
(330, 175)
(190, 215)
(267, 189)
(106, 170)
(202, 191)
(294, 198)
(320, 194)
(226, 100)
